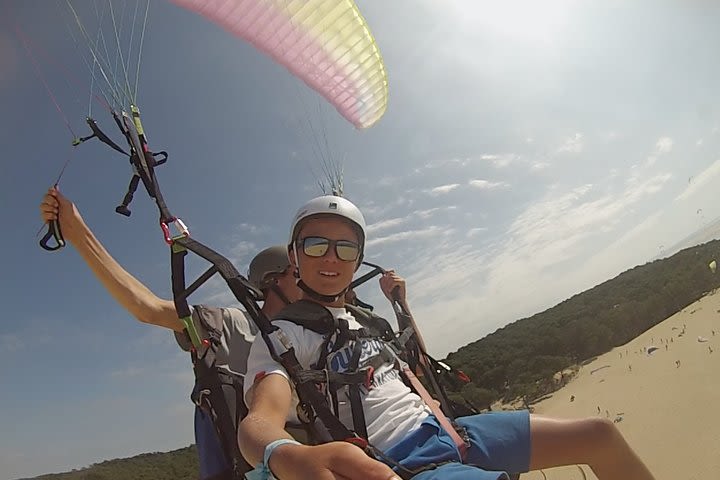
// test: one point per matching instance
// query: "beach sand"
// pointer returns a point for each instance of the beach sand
(669, 414)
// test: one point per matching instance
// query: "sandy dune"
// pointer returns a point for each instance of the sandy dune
(669, 414)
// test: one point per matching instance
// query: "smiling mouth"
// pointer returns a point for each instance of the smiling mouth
(329, 274)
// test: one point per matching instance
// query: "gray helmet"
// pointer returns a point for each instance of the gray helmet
(269, 261)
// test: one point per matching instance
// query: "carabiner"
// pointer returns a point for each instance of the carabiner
(179, 225)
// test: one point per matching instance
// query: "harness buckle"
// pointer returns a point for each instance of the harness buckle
(279, 342)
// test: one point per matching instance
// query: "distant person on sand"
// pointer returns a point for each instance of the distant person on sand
(677, 363)
(630, 368)
(599, 410)
(710, 348)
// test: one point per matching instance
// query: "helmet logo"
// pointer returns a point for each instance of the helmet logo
(333, 206)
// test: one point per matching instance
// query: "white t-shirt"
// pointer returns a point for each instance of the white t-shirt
(391, 409)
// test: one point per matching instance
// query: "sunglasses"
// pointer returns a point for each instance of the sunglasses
(317, 247)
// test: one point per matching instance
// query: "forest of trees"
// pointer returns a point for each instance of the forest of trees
(179, 464)
(520, 359)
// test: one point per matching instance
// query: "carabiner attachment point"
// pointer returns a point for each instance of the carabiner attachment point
(179, 225)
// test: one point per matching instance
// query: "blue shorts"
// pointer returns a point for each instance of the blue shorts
(499, 445)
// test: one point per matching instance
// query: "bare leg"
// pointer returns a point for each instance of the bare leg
(592, 441)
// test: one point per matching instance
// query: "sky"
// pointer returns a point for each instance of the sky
(530, 150)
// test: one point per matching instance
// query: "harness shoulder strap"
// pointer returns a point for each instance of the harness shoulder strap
(308, 314)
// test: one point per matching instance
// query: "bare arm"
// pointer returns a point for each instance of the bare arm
(264, 423)
(128, 291)
(393, 286)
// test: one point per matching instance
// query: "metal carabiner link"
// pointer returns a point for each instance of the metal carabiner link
(179, 225)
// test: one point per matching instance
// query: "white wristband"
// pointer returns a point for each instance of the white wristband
(262, 470)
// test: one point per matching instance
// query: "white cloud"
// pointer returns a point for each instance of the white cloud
(537, 262)
(247, 228)
(10, 343)
(486, 185)
(663, 145)
(500, 160)
(241, 252)
(476, 231)
(610, 136)
(537, 166)
(430, 231)
(424, 214)
(443, 189)
(572, 144)
(385, 224)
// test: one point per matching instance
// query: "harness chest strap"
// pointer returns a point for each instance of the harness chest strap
(460, 443)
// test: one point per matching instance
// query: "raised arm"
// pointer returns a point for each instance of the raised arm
(128, 291)
(394, 289)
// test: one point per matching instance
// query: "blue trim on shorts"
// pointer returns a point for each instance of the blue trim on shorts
(499, 444)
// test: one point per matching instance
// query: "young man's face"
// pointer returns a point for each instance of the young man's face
(326, 274)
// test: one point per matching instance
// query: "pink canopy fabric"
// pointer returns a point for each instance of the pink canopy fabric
(326, 43)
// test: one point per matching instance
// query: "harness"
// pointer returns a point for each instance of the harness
(395, 352)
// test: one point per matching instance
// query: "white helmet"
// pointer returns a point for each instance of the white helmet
(329, 205)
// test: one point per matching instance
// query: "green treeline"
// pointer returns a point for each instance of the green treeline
(520, 359)
(179, 464)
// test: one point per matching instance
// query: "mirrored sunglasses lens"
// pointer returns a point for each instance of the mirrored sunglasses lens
(315, 246)
(347, 251)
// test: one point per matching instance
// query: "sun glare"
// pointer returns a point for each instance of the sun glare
(522, 20)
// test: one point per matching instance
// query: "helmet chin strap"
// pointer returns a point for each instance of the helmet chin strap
(319, 296)
(278, 291)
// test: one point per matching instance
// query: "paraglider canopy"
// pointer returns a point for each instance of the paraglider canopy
(326, 43)
(651, 349)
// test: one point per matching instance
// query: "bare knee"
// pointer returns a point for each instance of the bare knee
(602, 439)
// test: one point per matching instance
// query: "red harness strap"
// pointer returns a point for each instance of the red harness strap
(444, 422)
